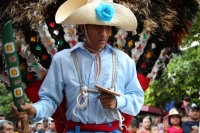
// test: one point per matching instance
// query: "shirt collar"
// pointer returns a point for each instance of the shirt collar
(80, 45)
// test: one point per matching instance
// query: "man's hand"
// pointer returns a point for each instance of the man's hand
(108, 101)
(28, 112)
(195, 130)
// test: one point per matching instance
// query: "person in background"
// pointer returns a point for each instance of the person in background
(52, 128)
(134, 126)
(154, 128)
(6, 126)
(2, 117)
(158, 121)
(192, 125)
(38, 126)
(41, 131)
(45, 124)
(146, 122)
(30, 128)
(17, 127)
(174, 120)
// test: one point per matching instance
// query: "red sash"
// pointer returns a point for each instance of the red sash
(92, 127)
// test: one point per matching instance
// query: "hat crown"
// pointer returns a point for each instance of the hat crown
(173, 112)
(193, 105)
(90, 1)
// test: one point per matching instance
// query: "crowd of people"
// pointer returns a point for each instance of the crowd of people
(173, 122)
(45, 126)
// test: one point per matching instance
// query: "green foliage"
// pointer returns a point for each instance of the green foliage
(194, 32)
(6, 101)
(180, 79)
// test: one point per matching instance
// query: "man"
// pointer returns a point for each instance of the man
(6, 126)
(45, 124)
(192, 125)
(134, 126)
(158, 121)
(79, 69)
(52, 128)
(2, 117)
(38, 126)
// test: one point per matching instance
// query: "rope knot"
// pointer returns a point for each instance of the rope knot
(84, 91)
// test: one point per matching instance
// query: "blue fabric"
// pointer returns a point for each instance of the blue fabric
(105, 12)
(169, 106)
(77, 130)
(63, 75)
(187, 126)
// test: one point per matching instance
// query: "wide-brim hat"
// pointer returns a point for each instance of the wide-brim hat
(173, 111)
(92, 11)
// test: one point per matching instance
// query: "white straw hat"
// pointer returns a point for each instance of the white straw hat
(173, 111)
(99, 12)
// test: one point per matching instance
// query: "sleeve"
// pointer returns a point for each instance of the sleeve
(133, 98)
(186, 127)
(50, 92)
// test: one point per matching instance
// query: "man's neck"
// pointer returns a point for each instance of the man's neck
(92, 50)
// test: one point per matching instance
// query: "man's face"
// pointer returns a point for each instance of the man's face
(45, 124)
(132, 129)
(154, 129)
(98, 35)
(38, 127)
(8, 128)
(52, 126)
(194, 114)
(2, 117)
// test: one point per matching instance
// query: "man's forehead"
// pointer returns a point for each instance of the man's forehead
(6, 125)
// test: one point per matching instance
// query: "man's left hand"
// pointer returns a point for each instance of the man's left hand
(108, 101)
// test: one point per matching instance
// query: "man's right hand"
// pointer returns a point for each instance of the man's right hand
(28, 112)
(195, 129)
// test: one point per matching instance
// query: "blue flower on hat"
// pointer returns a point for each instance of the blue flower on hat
(105, 12)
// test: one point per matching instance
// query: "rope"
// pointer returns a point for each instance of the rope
(83, 95)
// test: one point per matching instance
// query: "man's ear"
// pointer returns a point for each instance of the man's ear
(82, 28)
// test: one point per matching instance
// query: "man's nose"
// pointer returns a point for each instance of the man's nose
(103, 31)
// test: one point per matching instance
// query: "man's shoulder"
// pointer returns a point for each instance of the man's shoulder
(190, 123)
(62, 53)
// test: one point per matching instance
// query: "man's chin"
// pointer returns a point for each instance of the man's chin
(101, 46)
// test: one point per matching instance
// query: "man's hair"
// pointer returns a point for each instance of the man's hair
(2, 122)
(38, 124)
(153, 125)
(134, 123)
(45, 120)
(2, 115)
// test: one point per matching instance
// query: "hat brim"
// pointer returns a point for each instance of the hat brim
(173, 114)
(79, 12)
